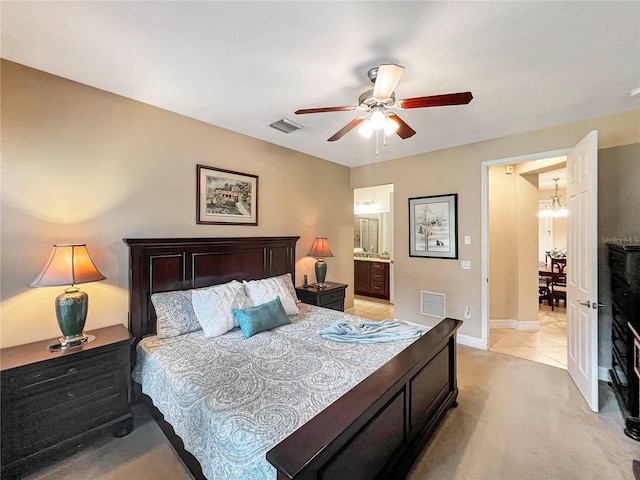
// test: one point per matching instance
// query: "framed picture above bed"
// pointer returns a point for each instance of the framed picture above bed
(225, 197)
(433, 226)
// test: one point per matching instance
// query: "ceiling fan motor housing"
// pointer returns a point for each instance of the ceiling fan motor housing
(366, 99)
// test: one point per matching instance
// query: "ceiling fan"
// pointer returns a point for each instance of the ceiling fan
(378, 100)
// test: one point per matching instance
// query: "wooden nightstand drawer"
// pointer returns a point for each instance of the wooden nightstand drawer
(47, 431)
(339, 306)
(331, 297)
(67, 397)
(30, 380)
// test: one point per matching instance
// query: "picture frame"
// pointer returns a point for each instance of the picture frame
(433, 226)
(225, 197)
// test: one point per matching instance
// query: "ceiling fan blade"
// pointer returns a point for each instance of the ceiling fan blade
(386, 81)
(404, 131)
(346, 129)
(436, 100)
(325, 109)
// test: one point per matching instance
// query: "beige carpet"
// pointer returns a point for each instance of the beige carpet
(517, 420)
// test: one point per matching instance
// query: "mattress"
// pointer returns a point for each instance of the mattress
(231, 399)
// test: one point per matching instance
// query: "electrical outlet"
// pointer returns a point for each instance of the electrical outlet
(467, 313)
(465, 264)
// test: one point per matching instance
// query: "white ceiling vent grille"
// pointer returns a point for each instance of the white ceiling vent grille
(432, 304)
(285, 125)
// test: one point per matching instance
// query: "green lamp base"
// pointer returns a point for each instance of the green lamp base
(321, 273)
(71, 312)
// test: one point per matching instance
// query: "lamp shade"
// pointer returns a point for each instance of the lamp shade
(69, 264)
(320, 248)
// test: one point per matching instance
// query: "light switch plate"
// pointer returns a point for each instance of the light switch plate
(467, 239)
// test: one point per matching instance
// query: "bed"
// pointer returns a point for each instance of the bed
(374, 428)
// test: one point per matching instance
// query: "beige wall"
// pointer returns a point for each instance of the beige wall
(458, 170)
(83, 165)
(503, 247)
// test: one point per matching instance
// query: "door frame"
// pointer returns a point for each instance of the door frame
(484, 341)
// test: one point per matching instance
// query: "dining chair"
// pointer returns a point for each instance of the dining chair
(558, 264)
(544, 293)
(558, 289)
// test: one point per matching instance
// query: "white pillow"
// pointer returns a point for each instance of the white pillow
(214, 306)
(263, 291)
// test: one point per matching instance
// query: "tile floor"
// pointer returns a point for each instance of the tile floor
(372, 308)
(548, 345)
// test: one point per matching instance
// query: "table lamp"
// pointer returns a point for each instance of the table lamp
(70, 264)
(320, 249)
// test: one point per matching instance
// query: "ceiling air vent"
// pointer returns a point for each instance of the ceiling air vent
(432, 304)
(285, 125)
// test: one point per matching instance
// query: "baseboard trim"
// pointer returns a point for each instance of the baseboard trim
(473, 342)
(529, 325)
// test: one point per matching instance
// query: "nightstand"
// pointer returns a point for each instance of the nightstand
(52, 401)
(331, 296)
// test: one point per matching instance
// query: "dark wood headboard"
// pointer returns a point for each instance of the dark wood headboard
(166, 264)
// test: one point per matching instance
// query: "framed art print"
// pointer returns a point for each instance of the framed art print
(433, 226)
(225, 197)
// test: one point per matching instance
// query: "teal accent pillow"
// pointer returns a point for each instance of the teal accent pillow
(263, 317)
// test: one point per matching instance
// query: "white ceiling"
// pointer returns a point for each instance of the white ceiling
(243, 65)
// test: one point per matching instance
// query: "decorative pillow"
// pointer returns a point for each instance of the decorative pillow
(175, 314)
(213, 307)
(263, 317)
(263, 291)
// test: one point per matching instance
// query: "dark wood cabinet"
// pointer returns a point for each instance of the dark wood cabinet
(371, 278)
(331, 296)
(362, 277)
(52, 401)
(624, 263)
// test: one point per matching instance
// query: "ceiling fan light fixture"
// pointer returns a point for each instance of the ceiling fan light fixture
(390, 126)
(377, 119)
(365, 129)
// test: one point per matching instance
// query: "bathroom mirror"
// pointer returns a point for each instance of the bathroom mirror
(366, 234)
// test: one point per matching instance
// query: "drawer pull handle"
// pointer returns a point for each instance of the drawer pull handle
(72, 370)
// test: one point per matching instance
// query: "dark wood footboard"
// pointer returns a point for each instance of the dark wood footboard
(377, 429)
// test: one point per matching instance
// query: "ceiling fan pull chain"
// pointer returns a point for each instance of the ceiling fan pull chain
(377, 136)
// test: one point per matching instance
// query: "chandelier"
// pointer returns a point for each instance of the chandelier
(556, 209)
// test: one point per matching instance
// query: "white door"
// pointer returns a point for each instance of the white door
(582, 267)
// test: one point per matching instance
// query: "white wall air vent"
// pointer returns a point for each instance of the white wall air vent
(285, 125)
(432, 304)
